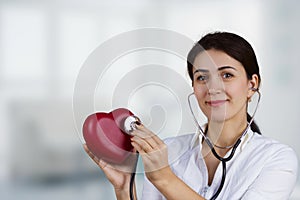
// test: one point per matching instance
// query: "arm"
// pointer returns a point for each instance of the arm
(171, 186)
(155, 160)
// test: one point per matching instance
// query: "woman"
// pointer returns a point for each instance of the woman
(225, 75)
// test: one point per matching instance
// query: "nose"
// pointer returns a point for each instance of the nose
(215, 86)
(213, 91)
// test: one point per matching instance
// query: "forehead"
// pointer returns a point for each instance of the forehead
(213, 59)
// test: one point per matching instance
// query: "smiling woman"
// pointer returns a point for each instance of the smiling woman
(230, 57)
(225, 75)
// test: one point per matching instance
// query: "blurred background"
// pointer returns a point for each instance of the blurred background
(43, 45)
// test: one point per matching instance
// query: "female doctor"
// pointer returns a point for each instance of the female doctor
(225, 75)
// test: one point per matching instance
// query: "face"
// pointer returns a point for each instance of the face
(221, 86)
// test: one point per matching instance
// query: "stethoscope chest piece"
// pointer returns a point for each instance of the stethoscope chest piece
(130, 124)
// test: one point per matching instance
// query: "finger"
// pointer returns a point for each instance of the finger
(137, 147)
(88, 151)
(102, 164)
(142, 144)
(146, 137)
(149, 133)
(85, 147)
(157, 140)
(143, 129)
(145, 133)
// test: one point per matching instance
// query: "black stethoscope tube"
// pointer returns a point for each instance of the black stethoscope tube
(223, 160)
(231, 154)
(222, 181)
(211, 146)
(131, 184)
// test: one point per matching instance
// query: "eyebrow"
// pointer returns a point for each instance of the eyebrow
(219, 69)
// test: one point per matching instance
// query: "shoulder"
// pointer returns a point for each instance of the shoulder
(273, 151)
(266, 160)
(271, 145)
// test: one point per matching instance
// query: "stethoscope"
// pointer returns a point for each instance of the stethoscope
(234, 147)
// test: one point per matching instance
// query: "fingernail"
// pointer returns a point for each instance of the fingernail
(100, 163)
(132, 138)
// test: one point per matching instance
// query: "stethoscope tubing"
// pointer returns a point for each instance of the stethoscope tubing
(235, 146)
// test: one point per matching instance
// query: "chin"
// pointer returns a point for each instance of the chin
(217, 118)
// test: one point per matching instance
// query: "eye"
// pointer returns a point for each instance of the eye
(227, 75)
(202, 78)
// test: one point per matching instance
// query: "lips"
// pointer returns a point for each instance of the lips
(216, 103)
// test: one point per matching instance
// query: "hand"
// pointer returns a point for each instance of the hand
(153, 150)
(119, 176)
(154, 153)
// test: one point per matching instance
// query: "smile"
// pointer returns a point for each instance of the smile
(216, 103)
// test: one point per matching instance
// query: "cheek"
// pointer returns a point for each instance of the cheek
(239, 91)
(199, 92)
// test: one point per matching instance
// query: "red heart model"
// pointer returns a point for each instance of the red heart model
(104, 135)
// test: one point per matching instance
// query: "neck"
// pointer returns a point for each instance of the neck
(227, 132)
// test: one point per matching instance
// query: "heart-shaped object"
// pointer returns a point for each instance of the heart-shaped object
(105, 136)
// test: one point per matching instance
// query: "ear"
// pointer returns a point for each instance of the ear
(252, 83)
